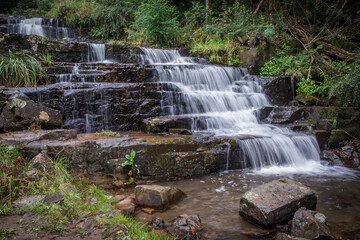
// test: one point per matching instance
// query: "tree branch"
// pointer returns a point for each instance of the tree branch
(258, 7)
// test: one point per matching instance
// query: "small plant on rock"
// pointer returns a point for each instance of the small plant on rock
(129, 163)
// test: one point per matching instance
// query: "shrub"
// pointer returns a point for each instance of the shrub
(20, 70)
(156, 20)
(343, 82)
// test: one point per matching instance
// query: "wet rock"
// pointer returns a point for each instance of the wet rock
(332, 158)
(322, 137)
(276, 202)
(28, 200)
(156, 196)
(280, 90)
(186, 226)
(120, 197)
(164, 124)
(120, 183)
(282, 228)
(157, 155)
(260, 233)
(54, 197)
(180, 131)
(285, 115)
(184, 164)
(19, 114)
(57, 134)
(158, 223)
(41, 162)
(264, 112)
(127, 206)
(284, 236)
(349, 159)
(310, 225)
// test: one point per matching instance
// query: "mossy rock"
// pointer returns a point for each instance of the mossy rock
(310, 100)
(337, 136)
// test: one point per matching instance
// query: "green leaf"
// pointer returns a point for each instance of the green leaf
(132, 153)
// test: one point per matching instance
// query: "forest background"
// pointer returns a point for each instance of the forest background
(316, 41)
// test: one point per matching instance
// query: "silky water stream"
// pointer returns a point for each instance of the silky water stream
(222, 101)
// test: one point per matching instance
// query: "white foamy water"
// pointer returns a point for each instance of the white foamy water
(222, 101)
(51, 28)
(96, 52)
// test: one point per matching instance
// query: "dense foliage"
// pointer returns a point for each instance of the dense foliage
(315, 41)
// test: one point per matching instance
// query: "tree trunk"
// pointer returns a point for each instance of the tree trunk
(258, 7)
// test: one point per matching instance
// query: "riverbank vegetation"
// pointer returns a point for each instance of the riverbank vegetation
(315, 41)
(58, 203)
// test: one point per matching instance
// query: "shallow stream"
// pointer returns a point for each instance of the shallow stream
(215, 198)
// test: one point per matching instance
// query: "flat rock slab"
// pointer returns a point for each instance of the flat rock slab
(276, 202)
(156, 196)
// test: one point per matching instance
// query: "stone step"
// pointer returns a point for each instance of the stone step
(173, 156)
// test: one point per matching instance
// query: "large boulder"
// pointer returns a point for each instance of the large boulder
(310, 225)
(20, 113)
(276, 202)
(280, 90)
(156, 196)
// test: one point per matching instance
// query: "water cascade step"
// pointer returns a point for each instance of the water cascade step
(96, 52)
(45, 27)
(223, 101)
(208, 99)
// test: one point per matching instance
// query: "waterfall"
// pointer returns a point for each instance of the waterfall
(50, 28)
(96, 52)
(31, 26)
(223, 101)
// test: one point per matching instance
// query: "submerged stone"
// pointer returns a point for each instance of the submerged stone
(310, 225)
(156, 196)
(276, 202)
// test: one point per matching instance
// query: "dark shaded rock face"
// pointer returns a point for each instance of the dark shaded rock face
(91, 107)
(280, 90)
(283, 115)
(276, 202)
(348, 155)
(310, 225)
(20, 113)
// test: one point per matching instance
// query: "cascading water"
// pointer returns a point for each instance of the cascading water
(96, 52)
(223, 101)
(51, 28)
